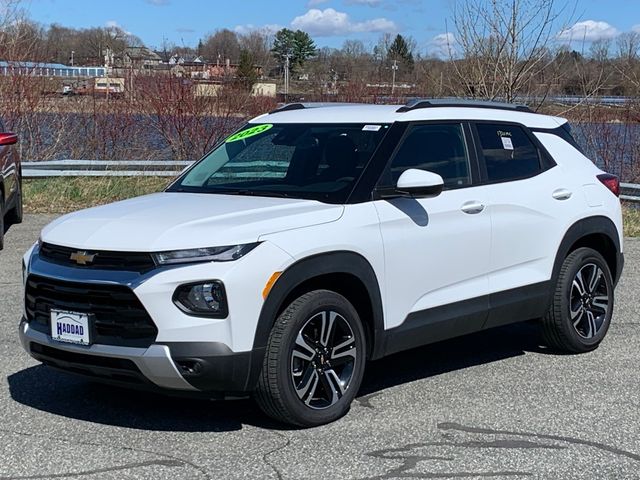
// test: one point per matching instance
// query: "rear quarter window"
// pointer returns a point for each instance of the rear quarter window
(509, 153)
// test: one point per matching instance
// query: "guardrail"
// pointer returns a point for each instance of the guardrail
(629, 192)
(103, 168)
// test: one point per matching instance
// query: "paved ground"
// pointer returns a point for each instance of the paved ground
(493, 405)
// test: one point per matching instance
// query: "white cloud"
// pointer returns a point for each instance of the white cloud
(314, 3)
(588, 31)
(114, 24)
(329, 22)
(636, 28)
(442, 45)
(268, 29)
(369, 3)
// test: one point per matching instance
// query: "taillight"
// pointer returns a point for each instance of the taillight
(611, 182)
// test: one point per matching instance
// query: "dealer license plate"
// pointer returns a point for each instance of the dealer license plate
(70, 327)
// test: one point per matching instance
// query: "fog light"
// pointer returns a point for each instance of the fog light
(206, 299)
(191, 368)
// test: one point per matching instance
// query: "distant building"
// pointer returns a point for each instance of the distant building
(37, 69)
(182, 59)
(138, 58)
(211, 89)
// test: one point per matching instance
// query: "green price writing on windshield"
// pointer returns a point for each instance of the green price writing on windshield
(249, 132)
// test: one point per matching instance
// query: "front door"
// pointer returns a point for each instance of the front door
(436, 249)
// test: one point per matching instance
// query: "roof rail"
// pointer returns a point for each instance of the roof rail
(303, 105)
(464, 103)
(287, 107)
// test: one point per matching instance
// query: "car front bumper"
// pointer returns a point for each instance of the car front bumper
(189, 354)
(187, 367)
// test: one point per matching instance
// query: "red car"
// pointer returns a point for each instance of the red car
(10, 182)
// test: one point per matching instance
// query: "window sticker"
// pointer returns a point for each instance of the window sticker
(507, 144)
(249, 132)
(371, 128)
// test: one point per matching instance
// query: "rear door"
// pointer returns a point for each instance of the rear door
(436, 249)
(529, 201)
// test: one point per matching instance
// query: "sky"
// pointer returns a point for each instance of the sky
(330, 22)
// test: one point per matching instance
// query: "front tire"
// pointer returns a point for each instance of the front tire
(314, 361)
(582, 304)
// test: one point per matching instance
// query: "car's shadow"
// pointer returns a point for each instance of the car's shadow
(69, 396)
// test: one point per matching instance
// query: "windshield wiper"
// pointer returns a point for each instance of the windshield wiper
(250, 193)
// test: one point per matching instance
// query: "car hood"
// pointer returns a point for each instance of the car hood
(170, 221)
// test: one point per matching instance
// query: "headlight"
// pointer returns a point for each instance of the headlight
(206, 299)
(212, 254)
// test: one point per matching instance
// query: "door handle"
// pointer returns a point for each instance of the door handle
(472, 207)
(561, 194)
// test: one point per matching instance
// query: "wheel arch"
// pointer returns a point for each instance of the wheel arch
(344, 272)
(598, 233)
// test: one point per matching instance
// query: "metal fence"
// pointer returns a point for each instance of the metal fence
(629, 192)
(103, 168)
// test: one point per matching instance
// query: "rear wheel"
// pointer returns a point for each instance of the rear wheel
(1, 220)
(582, 304)
(314, 362)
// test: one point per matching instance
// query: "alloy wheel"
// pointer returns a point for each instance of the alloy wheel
(589, 300)
(323, 359)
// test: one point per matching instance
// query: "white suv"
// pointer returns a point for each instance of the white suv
(319, 237)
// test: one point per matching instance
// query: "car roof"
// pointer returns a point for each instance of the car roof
(384, 114)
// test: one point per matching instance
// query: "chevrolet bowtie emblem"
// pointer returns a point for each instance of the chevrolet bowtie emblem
(82, 258)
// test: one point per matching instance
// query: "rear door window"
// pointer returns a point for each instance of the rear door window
(509, 153)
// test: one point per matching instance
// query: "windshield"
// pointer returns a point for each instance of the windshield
(314, 161)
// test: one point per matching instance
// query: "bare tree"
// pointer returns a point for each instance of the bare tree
(259, 43)
(628, 61)
(502, 47)
(221, 45)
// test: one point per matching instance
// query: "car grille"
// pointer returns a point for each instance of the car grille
(103, 260)
(117, 316)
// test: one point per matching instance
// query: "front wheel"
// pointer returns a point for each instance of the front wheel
(314, 362)
(582, 303)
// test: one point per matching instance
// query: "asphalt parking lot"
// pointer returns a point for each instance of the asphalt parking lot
(491, 405)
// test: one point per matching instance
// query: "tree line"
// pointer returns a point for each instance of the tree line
(495, 50)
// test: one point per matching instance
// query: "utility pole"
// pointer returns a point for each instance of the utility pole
(394, 68)
(286, 77)
(72, 52)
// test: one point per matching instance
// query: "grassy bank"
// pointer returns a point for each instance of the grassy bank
(60, 195)
(631, 222)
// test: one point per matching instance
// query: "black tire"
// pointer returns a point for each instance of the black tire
(1, 220)
(15, 215)
(577, 322)
(284, 371)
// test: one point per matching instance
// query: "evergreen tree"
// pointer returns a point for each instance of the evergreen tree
(400, 51)
(247, 74)
(298, 45)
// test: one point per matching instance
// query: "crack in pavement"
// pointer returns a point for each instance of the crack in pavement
(170, 458)
(409, 460)
(561, 438)
(164, 463)
(265, 457)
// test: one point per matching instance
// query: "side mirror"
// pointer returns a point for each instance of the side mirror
(420, 183)
(8, 139)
